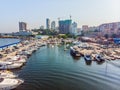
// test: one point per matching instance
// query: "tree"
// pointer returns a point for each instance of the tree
(58, 36)
(74, 37)
(39, 33)
(50, 36)
(69, 35)
(64, 36)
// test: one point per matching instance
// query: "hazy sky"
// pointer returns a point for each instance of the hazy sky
(35, 12)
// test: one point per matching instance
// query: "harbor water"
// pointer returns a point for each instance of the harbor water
(7, 41)
(52, 68)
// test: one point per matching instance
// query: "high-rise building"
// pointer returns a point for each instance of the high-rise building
(47, 23)
(110, 28)
(74, 28)
(42, 27)
(65, 26)
(53, 25)
(22, 26)
(85, 28)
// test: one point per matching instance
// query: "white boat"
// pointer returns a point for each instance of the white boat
(74, 52)
(7, 65)
(5, 62)
(19, 60)
(27, 53)
(87, 57)
(7, 74)
(52, 46)
(16, 59)
(76, 42)
(99, 57)
(8, 84)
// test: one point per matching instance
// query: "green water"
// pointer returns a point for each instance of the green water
(55, 69)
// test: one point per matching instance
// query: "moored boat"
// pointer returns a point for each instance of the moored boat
(99, 58)
(5, 65)
(8, 84)
(88, 59)
(74, 52)
(7, 74)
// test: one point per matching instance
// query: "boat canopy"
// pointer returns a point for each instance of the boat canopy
(116, 40)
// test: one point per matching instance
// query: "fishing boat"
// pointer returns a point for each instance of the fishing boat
(8, 84)
(88, 59)
(27, 53)
(7, 74)
(76, 42)
(52, 46)
(74, 52)
(99, 58)
(10, 65)
(17, 60)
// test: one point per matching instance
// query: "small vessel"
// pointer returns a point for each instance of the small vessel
(27, 53)
(7, 74)
(87, 57)
(76, 42)
(16, 60)
(10, 65)
(52, 46)
(74, 52)
(8, 84)
(99, 57)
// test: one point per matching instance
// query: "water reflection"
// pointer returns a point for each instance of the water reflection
(88, 62)
(76, 58)
(55, 69)
(100, 63)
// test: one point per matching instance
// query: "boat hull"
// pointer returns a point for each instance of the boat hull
(74, 53)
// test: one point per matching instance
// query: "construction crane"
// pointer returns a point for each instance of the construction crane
(58, 18)
(70, 17)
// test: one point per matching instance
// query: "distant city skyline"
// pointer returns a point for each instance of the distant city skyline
(35, 12)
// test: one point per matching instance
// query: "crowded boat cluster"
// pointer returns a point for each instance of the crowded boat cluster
(95, 52)
(15, 57)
